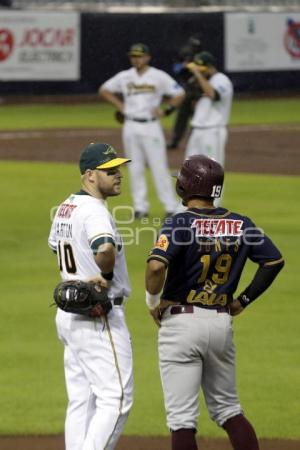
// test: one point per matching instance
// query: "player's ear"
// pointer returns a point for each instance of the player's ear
(89, 175)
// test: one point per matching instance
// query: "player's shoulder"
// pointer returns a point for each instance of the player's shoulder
(120, 75)
(158, 72)
(125, 73)
(247, 221)
(182, 219)
(88, 204)
(154, 70)
(223, 78)
(220, 76)
(190, 215)
(65, 203)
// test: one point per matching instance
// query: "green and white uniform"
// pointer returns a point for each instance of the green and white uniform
(98, 355)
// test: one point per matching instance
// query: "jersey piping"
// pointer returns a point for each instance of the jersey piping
(99, 236)
(210, 215)
(158, 258)
(107, 239)
(271, 263)
(119, 377)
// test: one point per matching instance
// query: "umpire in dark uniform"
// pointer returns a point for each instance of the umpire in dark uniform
(192, 89)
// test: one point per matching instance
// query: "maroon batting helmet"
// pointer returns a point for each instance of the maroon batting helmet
(200, 176)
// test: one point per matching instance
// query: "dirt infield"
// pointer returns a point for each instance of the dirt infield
(136, 443)
(257, 149)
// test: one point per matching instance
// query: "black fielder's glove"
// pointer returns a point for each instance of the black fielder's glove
(80, 297)
(119, 116)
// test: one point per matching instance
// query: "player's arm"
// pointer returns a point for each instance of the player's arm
(203, 82)
(171, 105)
(105, 258)
(52, 243)
(176, 101)
(101, 241)
(173, 97)
(112, 98)
(155, 278)
(164, 251)
(270, 261)
(263, 278)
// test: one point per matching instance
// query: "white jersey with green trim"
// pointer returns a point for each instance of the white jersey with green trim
(214, 113)
(143, 137)
(81, 223)
(143, 92)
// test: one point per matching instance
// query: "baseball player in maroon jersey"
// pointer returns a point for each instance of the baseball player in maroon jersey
(197, 263)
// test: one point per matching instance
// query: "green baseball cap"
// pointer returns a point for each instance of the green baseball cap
(99, 156)
(139, 50)
(204, 59)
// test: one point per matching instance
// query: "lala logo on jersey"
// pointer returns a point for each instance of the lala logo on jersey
(162, 243)
(218, 227)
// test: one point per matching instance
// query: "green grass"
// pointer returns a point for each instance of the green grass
(100, 115)
(32, 389)
(265, 111)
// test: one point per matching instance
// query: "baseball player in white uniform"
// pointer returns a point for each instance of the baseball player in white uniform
(212, 110)
(98, 355)
(143, 88)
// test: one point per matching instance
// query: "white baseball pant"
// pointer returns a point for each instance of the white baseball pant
(144, 144)
(99, 378)
(197, 351)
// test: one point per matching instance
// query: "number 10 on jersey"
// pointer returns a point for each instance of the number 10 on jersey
(66, 258)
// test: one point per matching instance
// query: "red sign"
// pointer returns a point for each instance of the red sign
(218, 227)
(6, 44)
(292, 38)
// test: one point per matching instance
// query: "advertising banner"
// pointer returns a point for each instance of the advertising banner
(262, 42)
(39, 46)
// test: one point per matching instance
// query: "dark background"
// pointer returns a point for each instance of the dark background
(106, 38)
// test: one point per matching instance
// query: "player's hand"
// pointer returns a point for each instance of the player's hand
(97, 311)
(235, 308)
(120, 107)
(192, 67)
(195, 69)
(158, 113)
(100, 281)
(156, 315)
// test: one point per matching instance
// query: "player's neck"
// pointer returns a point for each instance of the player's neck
(93, 192)
(142, 70)
(200, 203)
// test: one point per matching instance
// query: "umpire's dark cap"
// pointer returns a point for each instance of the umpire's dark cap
(204, 59)
(139, 50)
(99, 156)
